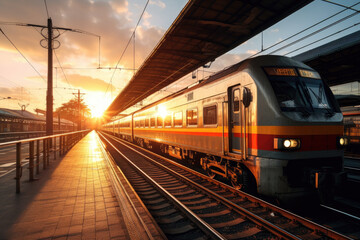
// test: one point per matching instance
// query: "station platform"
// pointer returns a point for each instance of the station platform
(73, 199)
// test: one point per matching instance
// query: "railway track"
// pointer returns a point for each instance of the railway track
(353, 174)
(231, 213)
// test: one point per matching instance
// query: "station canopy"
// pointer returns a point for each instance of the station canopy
(204, 30)
(338, 62)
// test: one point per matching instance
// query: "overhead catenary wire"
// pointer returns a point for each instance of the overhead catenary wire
(304, 30)
(315, 32)
(127, 45)
(62, 70)
(330, 35)
(340, 5)
(47, 11)
(60, 33)
(16, 85)
(22, 54)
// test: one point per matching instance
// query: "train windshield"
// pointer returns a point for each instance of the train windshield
(301, 90)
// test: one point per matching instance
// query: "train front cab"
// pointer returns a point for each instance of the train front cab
(291, 138)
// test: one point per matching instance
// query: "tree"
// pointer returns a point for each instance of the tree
(70, 110)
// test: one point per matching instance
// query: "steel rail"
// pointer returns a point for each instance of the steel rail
(352, 169)
(205, 227)
(119, 185)
(242, 211)
(341, 212)
(296, 218)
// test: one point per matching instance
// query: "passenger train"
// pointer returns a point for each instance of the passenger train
(269, 124)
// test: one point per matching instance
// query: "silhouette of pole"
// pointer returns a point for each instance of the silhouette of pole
(49, 96)
(50, 46)
(79, 125)
(78, 94)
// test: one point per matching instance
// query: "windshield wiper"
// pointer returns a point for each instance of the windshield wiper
(329, 112)
(303, 109)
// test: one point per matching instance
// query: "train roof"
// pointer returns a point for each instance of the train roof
(264, 60)
(203, 31)
(25, 115)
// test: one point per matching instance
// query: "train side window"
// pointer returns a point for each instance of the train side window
(159, 121)
(137, 123)
(167, 120)
(147, 122)
(210, 115)
(178, 119)
(236, 100)
(191, 117)
(142, 122)
(152, 122)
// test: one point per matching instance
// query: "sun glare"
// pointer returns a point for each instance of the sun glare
(97, 111)
(97, 104)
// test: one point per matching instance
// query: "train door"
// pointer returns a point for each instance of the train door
(235, 140)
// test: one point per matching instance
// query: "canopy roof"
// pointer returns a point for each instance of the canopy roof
(203, 31)
(337, 61)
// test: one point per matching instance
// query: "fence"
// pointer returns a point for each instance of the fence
(49, 143)
(12, 136)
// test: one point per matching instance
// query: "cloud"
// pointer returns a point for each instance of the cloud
(227, 60)
(119, 6)
(158, 3)
(146, 18)
(274, 30)
(252, 51)
(108, 19)
(16, 94)
(88, 83)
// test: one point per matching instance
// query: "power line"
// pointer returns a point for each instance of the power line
(322, 38)
(127, 45)
(296, 34)
(16, 85)
(316, 32)
(47, 11)
(340, 5)
(57, 28)
(21, 54)
(62, 70)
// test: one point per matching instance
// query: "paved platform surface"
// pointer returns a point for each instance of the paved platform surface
(73, 199)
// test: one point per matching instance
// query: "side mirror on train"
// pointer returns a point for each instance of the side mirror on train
(246, 97)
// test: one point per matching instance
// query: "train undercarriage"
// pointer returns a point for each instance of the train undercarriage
(239, 175)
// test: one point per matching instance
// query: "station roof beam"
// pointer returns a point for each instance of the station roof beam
(203, 31)
(337, 61)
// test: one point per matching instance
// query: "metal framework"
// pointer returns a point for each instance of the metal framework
(203, 31)
(338, 61)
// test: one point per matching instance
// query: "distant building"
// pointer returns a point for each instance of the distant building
(24, 121)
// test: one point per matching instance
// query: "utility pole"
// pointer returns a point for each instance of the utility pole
(79, 108)
(49, 38)
(49, 95)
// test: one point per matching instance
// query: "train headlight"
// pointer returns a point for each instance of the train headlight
(286, 143)
(342, 141)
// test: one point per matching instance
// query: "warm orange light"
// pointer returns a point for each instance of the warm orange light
(97, 112)
(97, 104)
(162, 111)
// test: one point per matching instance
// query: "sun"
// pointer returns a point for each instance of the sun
(97, 111)
(97, 103)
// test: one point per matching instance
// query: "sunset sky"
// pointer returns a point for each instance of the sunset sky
(114, 21)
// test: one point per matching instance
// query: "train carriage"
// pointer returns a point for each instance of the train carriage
(269, 124)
